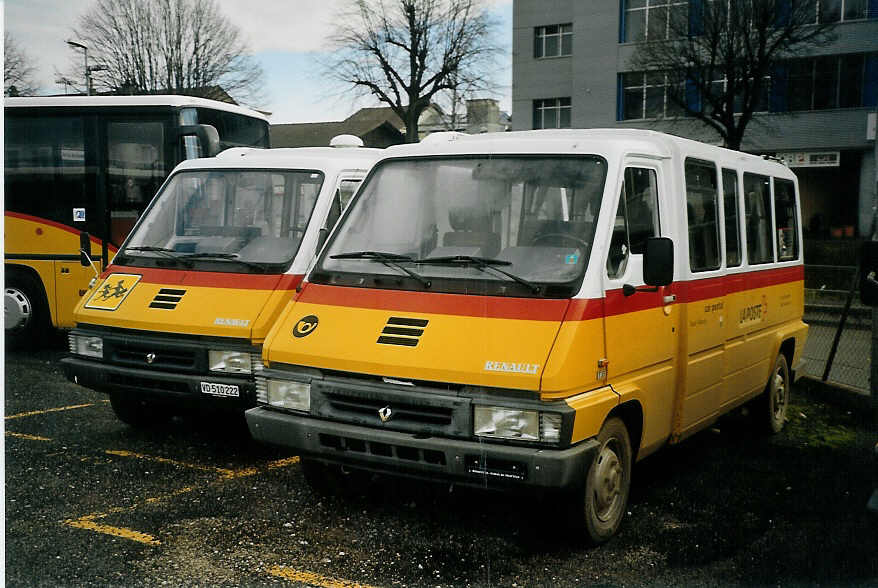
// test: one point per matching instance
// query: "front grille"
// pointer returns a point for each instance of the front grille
(353, 406)
(392, 451)
(164, 357)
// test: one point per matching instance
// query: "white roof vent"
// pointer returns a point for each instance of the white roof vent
(345, 141)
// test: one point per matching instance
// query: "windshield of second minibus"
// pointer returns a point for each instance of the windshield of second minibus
(516, 224)
(226, 220)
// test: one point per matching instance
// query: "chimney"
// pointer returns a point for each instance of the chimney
(482, 115)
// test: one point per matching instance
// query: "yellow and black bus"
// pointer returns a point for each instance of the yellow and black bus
(92, 163)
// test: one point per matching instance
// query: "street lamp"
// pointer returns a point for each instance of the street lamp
(88, 70)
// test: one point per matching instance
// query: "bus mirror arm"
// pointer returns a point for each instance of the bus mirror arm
(85, 259)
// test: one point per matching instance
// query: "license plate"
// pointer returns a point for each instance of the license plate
(219, 389)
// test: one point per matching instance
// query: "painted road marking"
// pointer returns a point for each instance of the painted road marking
(88, 521)
(48, 410)
(312, 579)
(26, 436)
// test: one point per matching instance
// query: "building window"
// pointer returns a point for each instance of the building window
(553, 40)
(649, 95)
(827, 11)
(651, 20)
(845, 81)
(552, 113)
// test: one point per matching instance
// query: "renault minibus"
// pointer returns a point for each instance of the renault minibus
(540, 309)
(178, 319)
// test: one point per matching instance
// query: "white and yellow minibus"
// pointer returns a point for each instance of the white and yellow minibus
(540, 309)
(179, 317)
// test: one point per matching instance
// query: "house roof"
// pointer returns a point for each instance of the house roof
(375, 116)
(319, 134)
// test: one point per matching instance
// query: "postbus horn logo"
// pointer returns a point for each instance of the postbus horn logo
(305, 326)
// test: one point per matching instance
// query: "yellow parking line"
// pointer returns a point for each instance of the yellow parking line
(26, 436)
(88, 523)
(193, 466)
(36, 412)
(312, 579)
(272, 465)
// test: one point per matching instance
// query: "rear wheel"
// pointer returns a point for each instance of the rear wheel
(772, 406)
(134, 411)
(598, 506)
(26, 312)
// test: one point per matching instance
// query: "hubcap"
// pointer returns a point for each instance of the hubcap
(17, 309)
(780, 396)
(607, 483)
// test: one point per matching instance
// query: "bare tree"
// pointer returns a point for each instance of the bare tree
(18, 69)
(174, 46)
(718, 61)
(405, 52)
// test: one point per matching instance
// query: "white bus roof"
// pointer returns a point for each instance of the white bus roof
(173, 100)
(322, 158)
(608, 142)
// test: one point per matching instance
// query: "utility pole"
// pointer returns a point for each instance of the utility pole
(76, 45)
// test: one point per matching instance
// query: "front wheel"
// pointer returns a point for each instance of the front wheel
(599, 504)
(26, 313)
(776, 398)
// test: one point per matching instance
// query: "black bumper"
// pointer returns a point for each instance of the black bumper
(160, 386)
(434, 458)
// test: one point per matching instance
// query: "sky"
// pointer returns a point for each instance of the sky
(287, 37)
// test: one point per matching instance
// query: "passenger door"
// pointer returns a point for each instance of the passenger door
(640, 329)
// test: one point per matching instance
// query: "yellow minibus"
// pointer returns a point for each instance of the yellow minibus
(540, 309)
(178, 319)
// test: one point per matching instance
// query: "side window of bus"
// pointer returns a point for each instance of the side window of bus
(343, 195)
(702, 215)
(757, 216)
(730, 207)
(785, 220)
(636, 218)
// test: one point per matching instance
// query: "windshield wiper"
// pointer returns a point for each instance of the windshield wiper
(389, 259)
(170, 253)
(224, 256)
(481, 263)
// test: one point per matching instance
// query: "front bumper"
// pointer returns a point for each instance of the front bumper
(159, 386)
(417, 455)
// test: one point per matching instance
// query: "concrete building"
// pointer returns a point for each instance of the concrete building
(571, 68)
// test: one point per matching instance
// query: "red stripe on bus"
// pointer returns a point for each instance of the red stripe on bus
(150, 275)
(57, 225)
(436, 303)
(579, 309)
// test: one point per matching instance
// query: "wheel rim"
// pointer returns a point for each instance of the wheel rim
(607, 489)
(17, 309)
(779, 393)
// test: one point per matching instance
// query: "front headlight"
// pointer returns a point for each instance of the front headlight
(85, 345)
(506, 423)
(522, 425)
(230, 362)
(285, 394)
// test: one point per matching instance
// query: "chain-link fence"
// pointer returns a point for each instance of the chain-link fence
(850, 362)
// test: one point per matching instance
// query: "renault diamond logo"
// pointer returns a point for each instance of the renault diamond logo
(150, 357)
(384, 414)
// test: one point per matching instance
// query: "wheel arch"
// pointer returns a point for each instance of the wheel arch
(631, 414)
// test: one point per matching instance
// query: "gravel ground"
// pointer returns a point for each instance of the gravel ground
(726, 507)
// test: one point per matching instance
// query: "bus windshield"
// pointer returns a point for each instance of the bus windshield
(226, 220)
(518, 226)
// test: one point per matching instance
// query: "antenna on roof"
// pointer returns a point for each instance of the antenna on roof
(346, 141)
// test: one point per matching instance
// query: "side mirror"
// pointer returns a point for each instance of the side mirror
(208, 137)
(658, 261)
(869, 273)
(84, 249)
(321, 238)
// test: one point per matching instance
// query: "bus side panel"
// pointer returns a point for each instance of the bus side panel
(71, 283)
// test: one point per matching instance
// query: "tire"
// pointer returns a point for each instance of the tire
(26, 311)
(597, 507)
(771, 409)
(134, 411)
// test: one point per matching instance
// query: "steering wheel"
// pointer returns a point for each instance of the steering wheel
(565, 236)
